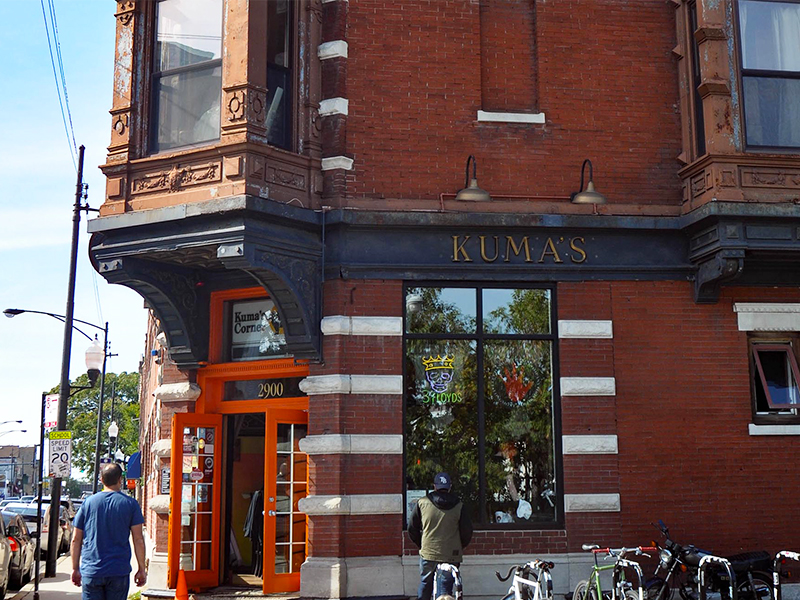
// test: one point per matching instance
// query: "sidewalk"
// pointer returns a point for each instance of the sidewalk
(61, 587)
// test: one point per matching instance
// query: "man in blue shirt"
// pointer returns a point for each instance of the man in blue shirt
(101, 552)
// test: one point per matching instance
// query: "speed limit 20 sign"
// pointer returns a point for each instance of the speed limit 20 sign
(60, 453)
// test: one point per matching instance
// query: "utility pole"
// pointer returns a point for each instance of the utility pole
(64, 386)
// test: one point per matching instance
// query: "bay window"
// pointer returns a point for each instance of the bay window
(480, 402)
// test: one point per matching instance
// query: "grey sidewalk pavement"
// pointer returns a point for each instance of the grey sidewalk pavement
(61, 587)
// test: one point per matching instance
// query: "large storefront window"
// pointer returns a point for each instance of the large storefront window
(480, 402)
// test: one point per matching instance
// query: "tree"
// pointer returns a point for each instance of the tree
(82, 417)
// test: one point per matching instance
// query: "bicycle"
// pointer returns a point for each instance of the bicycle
(532, 581)
(621, 588)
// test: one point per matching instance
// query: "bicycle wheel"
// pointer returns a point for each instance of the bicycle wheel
(580, 590)
(761, 589)
(632, 594)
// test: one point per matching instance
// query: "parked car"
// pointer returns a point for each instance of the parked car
(23, 550)
(25, 499)
(7, 501)
(5, 560)
(28, 513)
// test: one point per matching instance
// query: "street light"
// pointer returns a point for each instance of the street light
(13, 431)
(113, 432)
(95, 356)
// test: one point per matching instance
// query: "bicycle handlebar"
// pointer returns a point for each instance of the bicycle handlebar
(535, 564)
(622, 551)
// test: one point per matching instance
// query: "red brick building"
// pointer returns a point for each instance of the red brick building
(332, 324)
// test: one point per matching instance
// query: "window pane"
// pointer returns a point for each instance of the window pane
(442, 417)
(441, 310)
(519, 431)
(772, 111)
(189, 32)
(278, 123)
(516, 311)
(770, 34)
(187, 108)
(278, 53)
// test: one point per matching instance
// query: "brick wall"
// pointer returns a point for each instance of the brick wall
(415, 86)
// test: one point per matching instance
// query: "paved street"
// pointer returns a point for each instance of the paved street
(60, 587)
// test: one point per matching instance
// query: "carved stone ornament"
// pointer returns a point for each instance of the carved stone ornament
(125, 11)
(178, 178)
(246, 104)
(121, 124)
(287, 178)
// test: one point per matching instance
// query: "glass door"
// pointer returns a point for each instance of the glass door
(194, 527)
(286, 476)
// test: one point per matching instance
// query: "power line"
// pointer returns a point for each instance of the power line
(72, 148)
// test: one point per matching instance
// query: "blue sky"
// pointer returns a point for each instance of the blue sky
(37, 191)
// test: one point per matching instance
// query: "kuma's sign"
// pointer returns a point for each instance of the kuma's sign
(519, 248)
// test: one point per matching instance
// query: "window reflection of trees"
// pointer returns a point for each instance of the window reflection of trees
(518, 404)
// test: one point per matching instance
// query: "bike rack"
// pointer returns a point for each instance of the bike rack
(458, 587)
(776, 573)
(704, 562)
(618, 567)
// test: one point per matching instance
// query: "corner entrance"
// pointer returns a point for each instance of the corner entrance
(238, 477)
(266, 537)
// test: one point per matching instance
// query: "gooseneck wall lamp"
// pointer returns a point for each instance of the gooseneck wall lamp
(589, 195)
(471, 191)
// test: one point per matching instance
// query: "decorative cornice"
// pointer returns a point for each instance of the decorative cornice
(352, 444)
(337, 162)
(585, 329)
(352, 384)
(582, 503)
(368, 326)
(362, 504)
(588, 386)
(589, 444)
(335, 49)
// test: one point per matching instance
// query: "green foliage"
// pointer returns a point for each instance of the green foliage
(82, 417)
(73, 488)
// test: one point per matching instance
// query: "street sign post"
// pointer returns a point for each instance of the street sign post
(60, 454)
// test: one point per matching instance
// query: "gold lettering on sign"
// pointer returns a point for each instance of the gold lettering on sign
(511, 246)
(550, 250)
(581, 252)
(576, 254)
(458, 249)
(483, 249)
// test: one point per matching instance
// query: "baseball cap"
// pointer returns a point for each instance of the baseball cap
(442, 482)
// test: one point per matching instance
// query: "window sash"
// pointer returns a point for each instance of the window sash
(791, 361)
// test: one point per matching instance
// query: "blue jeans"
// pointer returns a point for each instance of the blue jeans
(106, 588)
(427, 570)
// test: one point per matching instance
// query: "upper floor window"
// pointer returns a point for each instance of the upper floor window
(279, 73)
(775, 376)
(770, 49)
(187, 73)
